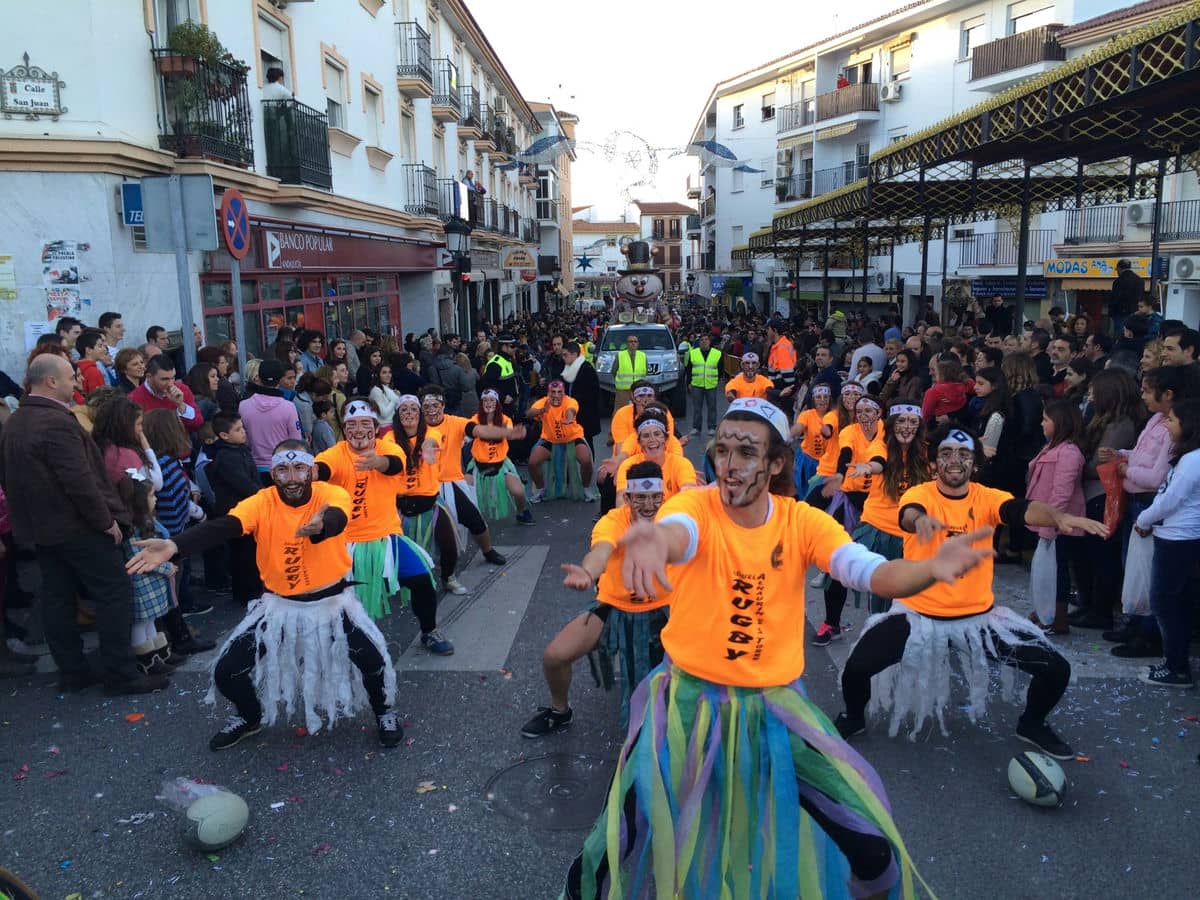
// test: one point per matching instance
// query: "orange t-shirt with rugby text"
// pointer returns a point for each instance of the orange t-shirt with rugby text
(827, 464)
(372, 494)
(852, 436)
(426, 480)
(980, 507)
(555, 427)
(290, 565)
(737, 610)
(740, 387)
(814, 443)
(453, 430)
(621, 425)
(491, 452)
(610, 589)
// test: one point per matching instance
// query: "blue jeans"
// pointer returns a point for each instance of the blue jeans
(1170, 600)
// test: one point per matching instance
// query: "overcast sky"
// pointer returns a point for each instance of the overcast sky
(638, 80)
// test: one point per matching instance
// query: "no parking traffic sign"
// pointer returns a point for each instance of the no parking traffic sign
(235, 223)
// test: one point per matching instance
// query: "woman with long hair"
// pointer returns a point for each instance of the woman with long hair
(904, 384)
(1118, 416)
(368, 373)
(843, 417)
(498, 486)
(468, 403)
(1078, 379)
(1023, 434)
(382, 394)
(204, 380)
(117, 430)
(130, 365)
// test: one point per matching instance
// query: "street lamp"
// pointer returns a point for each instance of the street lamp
(458, 242)
(691, 284)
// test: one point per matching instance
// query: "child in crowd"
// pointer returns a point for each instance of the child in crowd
(233, 477)
(323, 436)
(152, 591)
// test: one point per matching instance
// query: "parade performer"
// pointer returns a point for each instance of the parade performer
(571, 471)
(302, 640)
(814, 428)
(623, 440)
(749, 383)
(621, 426)
(498, 486)
(617, 623)
(827, 465)
(907, 648)
(458, 496)
(385, 561)
(678, 473)
(730, 782)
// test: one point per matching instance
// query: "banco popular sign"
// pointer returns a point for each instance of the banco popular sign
(297, 249)
(314, 251)
(1097, 267)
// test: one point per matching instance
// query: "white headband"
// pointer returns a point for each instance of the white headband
(957, 438)
(292, 457)
(768, 412)
(489, 393)
(821, 389)
(644, 392)
(853, 387)
(645, 486)
(870, 401)
(653, 423)
(750, 357)
(359, 409)
(408, 398)
(904, 409)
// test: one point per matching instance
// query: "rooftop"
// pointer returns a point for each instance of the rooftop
(664, 209)
(581, 226)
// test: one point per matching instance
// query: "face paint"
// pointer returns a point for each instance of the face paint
(906, 427)
(954, 466)
(410, 416)
(556, 396)
(293, 481)
(434, 408)
(652, 440)
(360, 434)
(740, 459)
(645, 506)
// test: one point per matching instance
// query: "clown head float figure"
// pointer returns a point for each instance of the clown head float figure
(639, 292)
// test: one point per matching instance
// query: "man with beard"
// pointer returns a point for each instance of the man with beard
(749, 383)
(734, 559)
(617, 622)
(559, 415)
(925, 626)
(300, 643)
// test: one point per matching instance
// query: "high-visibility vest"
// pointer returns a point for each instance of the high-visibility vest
(629, 372)
(781, 361)
(704, 371)
(506, 367)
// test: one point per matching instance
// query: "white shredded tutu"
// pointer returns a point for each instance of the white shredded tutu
(919, 685)
(448, 500)
(304, 658)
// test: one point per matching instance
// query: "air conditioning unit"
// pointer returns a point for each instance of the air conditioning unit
(779, 280)
(890, 93)
(1185, 268)
(1140, 213)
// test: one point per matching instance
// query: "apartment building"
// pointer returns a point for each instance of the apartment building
(811, 120)
(664, 225)
(597, 254)
(556, 279)
(349, 165)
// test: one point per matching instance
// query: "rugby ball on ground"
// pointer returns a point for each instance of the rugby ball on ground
(1037, 779)
(215, 821)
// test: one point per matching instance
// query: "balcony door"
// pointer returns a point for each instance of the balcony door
(170, 13)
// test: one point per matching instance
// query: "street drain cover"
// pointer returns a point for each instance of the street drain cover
(558, 791)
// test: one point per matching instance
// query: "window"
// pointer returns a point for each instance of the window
(862, 156)
(372, 109)
(768, 106)
(408, 138)
(659, 229)
(738, 180)
(765, 179)
(971, 34)
(674, 229)
(273, 48)
(735, 235)
(170, 13)
(335, 94)
(1029, 14)
(738, 119)
(901, 60)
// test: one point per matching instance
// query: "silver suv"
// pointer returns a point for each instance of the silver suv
(656, 341)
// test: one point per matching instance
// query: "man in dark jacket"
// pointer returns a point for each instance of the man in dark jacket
(452, 379)
(999, 316)
(584, 385)
(233, 477)
(500, 374)
(61, 502)
(1123, 298)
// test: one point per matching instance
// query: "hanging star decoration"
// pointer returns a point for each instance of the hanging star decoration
(584, 262)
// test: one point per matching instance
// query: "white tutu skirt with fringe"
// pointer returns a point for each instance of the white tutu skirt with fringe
(304, 658)
(918, 687)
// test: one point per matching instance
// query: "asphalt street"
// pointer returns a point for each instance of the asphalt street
(467, 808)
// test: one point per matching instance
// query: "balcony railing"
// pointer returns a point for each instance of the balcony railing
(445, 85)
(850, 99)
(486, 119)
(1017, 51)
(794, 115)
(503, 218)
(421, 191)
(826, 180)
(797, 186)
(693, 222)
(1000, 248)
(297, 143)
(708, 261)
(547, 211)
(1178, 220)
(708, 207)
(470, 107)
(203, 109)
(1094, 225)
(415, 60)
(447, 199)
(531, 231)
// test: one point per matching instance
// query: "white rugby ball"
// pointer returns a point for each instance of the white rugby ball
(216, 821)
(1036, 778)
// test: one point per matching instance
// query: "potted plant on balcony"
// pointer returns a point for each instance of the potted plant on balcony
(781, 190)
(192, 43)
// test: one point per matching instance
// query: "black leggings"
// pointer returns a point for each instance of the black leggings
(234, 673)
(468, 513)
(424, 600)
(835, 594)
(607, 488)
(882, 646)
(443, 532)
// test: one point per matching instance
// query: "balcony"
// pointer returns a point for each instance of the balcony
(527, 175)
(447, 199)
(203, 109)
(797, 186)
(794, 115)
(420, 190)
(297, 143)
(503, 219)
(693, 190)
(470, 125)
(1177, 221)
(826, 180)
(708, 261)
(1000, 64)
(1000, 249)
(504, 138)
(1095, 225)
(531, 231)
(847, 101)
(447, 101)
(487, 119)
(414, 71)
(693, 227)
(708, 208)
(547, 211)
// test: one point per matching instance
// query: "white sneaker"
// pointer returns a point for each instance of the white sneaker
(16, 645)
(537, 496)
(590, 496)
(817, 580)
(456, 587)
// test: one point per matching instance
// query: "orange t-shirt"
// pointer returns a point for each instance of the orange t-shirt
(737, 611)
(972, 593)
(827, 464)
(621, 425)
(372, 494)
(610, 589)
(881, 510)
(555, 427)
(425, 481)
(814, 443)
(860, 452)
(630, 446)
(740, 387)
(290, 565)
(677, 471)
(454, 434)
(490, 452)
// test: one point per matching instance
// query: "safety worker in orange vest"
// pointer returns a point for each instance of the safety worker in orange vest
(781, 367)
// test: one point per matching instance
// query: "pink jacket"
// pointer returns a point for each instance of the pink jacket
(1147, 463)
(270, 419)
(1056, 479)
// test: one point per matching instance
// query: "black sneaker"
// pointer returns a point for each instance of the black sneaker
(234, 731)
(391, 732)
(198, 609)
(1163, 676)
(143, 684)
(546, 721)
(525, 517)
(849, 726)
(495, 558)
(1122, 635)
(826, 635)
(192, 645)
(1043, 737)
